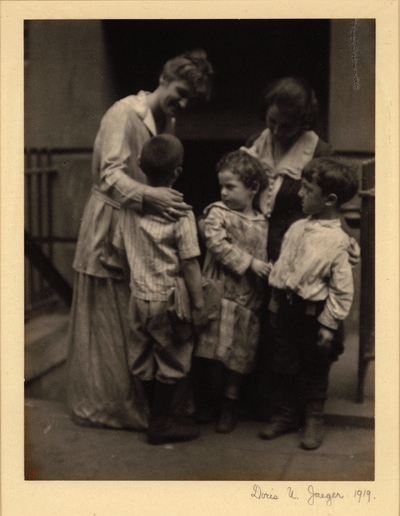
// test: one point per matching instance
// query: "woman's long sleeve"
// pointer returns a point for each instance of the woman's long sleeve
(116, 152)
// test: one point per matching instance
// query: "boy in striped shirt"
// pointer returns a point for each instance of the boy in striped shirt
(158, 251)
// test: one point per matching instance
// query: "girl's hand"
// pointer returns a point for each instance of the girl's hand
(354, 252)
(261, 268)
(199, 318)
(166, 202)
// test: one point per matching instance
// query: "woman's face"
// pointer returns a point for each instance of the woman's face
(283, 127)
(174, 97)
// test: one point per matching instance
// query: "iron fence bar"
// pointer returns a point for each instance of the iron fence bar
(46, 268)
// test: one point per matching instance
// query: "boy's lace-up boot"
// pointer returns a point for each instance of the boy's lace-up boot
(314, 430)
(285, 421)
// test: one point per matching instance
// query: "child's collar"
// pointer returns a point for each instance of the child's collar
(326, 223)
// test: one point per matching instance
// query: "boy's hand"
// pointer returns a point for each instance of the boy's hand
(325, 337)
(261, 268)
(199, 318)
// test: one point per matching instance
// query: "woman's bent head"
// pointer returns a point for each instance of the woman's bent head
(291, 108)
(193, 68)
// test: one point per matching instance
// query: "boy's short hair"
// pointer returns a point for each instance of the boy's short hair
(248, 168)
(332, 175)
(161, 155)
(194, 68)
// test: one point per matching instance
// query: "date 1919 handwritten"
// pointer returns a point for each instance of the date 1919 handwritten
(312, 496)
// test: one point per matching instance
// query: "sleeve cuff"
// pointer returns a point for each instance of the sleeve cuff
(328, 321)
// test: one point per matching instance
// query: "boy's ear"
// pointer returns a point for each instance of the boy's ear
(177, 172)
(331, 199)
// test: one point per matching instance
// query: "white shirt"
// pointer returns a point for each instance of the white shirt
(314, 264)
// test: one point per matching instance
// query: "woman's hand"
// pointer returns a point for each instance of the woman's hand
(354, 252)
(166, 202)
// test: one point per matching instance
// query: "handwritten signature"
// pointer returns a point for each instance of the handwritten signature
(313, 495)
(328, 496)
(257, 493)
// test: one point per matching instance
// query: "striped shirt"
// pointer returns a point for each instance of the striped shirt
(155, 247)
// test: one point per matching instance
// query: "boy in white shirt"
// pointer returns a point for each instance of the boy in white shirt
(312, 293)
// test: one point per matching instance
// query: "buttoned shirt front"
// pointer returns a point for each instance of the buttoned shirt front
(314, 264)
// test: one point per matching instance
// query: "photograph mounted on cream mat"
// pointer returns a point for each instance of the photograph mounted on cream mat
(204, 306)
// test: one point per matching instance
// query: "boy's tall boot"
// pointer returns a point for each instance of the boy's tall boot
(316, 388)
(314, 430)
(163, 428)
(286, 417)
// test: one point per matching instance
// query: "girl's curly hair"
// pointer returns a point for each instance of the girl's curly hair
(248, 168)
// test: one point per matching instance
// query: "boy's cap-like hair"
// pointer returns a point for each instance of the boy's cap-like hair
(161, 155)
(248, 168)
(333, 176)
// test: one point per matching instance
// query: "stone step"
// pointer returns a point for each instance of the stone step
(45, 344)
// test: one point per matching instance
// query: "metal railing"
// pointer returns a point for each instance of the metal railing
(42, 280)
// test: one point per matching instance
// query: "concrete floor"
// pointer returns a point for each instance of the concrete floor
(57, 449)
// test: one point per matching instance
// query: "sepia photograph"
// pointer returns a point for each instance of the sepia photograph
(199, 258)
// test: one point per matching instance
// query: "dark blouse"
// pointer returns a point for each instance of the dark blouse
(287, 208)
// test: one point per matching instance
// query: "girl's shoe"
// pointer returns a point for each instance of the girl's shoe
(226, 421)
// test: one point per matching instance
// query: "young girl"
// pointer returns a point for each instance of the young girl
(236, 239)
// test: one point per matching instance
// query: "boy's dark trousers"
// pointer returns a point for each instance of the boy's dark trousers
(300, 367)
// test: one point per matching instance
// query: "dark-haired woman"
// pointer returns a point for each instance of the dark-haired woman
(284, 148)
